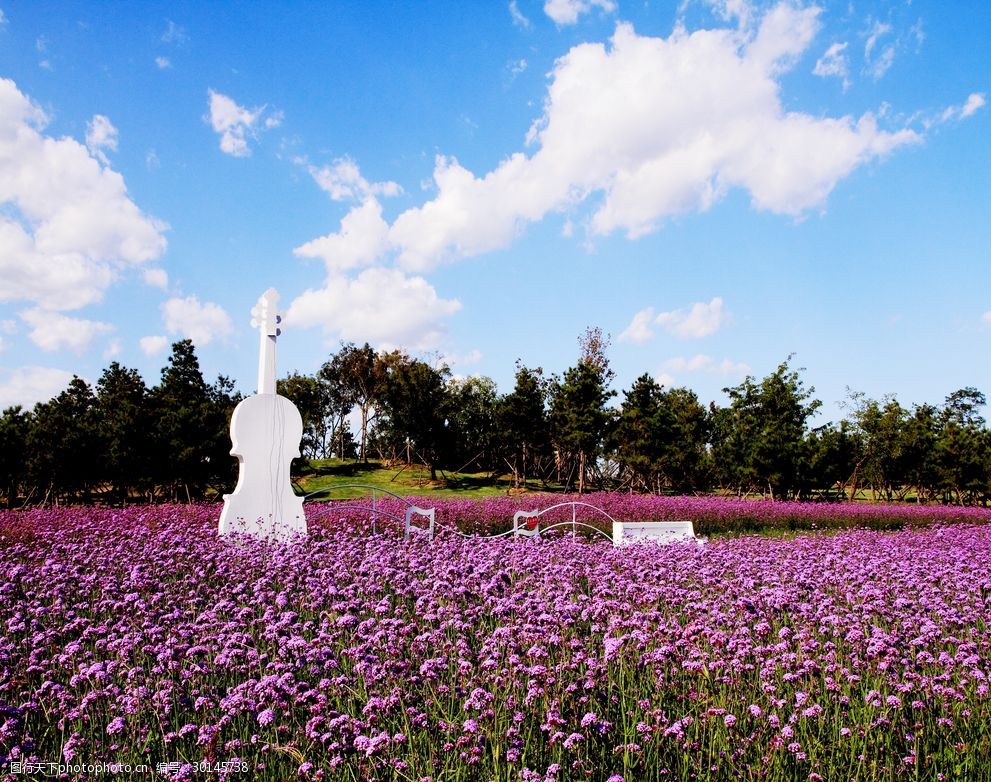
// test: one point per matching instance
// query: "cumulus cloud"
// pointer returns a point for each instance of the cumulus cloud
(974, 102)
(382, 306)
(727, 10)
(565, 12)
(113, 349)
(518, 18)
(700, 363)
(632, 132)
(699, 320)
(236, 124)
(200, 322)
(28, 385)
(156, 278)
(67, 226)
(54, 331)
(101, 135)
(163, 63)
(363, 237)
(647, 128)
(640, 330)
(174, 34)
(834, 62)
(342, 181)
(878, 59)
(153, 345)
(452, 360)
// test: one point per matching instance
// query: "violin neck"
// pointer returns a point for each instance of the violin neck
(266, 364)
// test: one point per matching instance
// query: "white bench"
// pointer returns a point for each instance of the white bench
(626, 532)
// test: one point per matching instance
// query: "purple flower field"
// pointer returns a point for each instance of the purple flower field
(137, 636)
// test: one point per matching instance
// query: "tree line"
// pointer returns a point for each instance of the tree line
(122, 441)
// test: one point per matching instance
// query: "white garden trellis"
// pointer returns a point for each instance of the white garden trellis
(526, 523)
(406, 519)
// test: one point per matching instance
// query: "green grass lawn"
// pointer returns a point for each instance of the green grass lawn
(400, 479)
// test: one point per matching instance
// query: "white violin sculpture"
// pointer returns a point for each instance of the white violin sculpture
(266, 430)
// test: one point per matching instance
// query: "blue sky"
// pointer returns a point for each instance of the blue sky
(716, 185)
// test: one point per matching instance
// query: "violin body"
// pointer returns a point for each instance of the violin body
(266, 430)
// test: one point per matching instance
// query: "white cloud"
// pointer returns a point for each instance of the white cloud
(647, 128)
(174, 34)
(455, 360)
(363, 237)
(699, 320)
(382, 306)
(700, 363)
(834, 63)
(974, 101)
(696, 363)
(4, 20)
(27, 385)
(54, 331)
(727, 10)
(517, 16)
(236, 124)
(639, 330)
(784, 34)
(878, 31)
(163, 63)
(729, 367)
(101, 135)
(156, 278)
(567, 11)
(202, 323)
(342, 181)
(877, 68)
(153, 346)
(879, 64)
(113, 350)
(67, 226)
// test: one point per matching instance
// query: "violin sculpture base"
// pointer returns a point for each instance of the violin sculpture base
(266, 430)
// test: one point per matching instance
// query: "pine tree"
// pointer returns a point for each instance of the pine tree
(523, 431)
(579, 419)
(122, 413)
